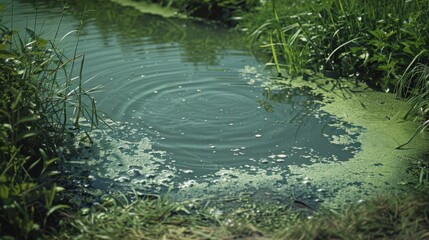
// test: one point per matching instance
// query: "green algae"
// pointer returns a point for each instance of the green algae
(378, 167)
(372, 119)
(113, 161)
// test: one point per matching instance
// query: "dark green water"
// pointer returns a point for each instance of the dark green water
(194, 110)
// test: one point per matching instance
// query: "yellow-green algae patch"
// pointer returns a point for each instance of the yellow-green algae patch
(150, 8)
(378, 167)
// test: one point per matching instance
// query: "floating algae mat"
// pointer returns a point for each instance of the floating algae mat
(213, 158)
(195, 114)
(358, 159)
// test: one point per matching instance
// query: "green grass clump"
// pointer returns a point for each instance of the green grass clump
(383, 217)
(162, 218)
(41, 106)
(373, 40)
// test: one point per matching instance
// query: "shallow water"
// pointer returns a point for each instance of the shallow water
(194, 110)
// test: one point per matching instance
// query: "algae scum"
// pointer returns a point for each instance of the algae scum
(195, 113)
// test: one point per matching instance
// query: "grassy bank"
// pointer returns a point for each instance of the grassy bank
(383, 217)
(41, 107)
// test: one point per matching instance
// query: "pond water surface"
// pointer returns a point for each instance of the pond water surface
(193, 109)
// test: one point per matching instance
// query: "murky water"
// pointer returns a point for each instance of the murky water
(194, 110)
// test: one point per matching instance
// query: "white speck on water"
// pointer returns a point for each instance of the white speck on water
(258, 135)
(281, 155)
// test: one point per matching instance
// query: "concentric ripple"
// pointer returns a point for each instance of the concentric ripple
(194, 105)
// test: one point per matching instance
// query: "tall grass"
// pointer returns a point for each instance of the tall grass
(414, 85)
(372, 40)
(41, 106)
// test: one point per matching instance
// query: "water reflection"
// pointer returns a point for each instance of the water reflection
(128, 25)
(194, 110)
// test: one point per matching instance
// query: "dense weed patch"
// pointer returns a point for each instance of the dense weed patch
(41, 108)
(375, 40)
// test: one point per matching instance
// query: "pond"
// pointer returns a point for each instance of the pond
(192, 109)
